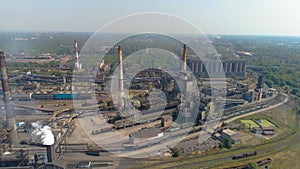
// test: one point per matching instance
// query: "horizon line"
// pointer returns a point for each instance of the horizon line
(92, 32)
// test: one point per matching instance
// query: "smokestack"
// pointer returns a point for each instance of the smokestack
(76, 50)
(7, 98)
(77, 64)
(43, 135)
(184, 58)
(121, 85)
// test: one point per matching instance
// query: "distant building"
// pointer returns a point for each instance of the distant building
(145, 135)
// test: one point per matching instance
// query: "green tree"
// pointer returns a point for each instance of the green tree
(228, 143)
(269, 83)
(295, 91)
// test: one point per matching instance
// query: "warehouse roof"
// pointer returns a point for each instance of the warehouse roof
(229, 132)
(146, 133)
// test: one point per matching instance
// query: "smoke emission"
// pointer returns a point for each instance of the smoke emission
(42, 134)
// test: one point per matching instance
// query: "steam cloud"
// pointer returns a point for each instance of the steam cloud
(42, 134)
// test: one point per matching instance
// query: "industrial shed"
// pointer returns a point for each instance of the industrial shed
(235, 138)
(145, 135)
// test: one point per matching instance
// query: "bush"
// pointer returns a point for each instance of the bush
(176, 153)
(23, 142)
(252, 166)
(224, 124)
(221, 145)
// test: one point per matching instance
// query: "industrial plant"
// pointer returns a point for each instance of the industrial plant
(41, 127)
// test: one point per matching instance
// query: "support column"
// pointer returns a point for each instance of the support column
(239, 66)
(217, 67)
(225, 67)
(201, 67)
(192, 66)
(230, 66)
(208, 67)
(243, 67)
(236, 67)
(196, 67)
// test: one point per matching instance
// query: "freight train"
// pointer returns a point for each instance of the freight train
(264, 162)
(259, 163)
(229, 114)
(60, 96)
(244, 155)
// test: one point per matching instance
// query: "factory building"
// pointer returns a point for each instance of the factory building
(261, 91)
(231, 67)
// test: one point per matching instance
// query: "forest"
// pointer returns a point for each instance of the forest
(276, 58)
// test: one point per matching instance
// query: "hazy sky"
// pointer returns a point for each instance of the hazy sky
(273, 17)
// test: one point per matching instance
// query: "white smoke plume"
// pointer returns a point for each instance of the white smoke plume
(42, 134)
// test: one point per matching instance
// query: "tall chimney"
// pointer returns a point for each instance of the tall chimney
(77, 64)
(7, 98)
(121, 85)
(76, 50)
(184, 58)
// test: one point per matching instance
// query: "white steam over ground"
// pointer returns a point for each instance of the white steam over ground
(42, 134)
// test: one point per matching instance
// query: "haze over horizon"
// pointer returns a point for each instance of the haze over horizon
(255, 17)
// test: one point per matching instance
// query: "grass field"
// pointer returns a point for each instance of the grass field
(266, 123)
(249, 122)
